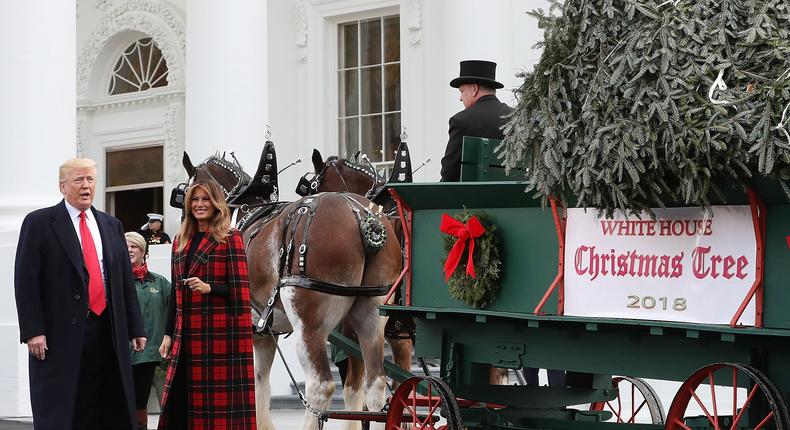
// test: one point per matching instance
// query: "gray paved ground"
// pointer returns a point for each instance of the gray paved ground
(282, 418)
(15, 425)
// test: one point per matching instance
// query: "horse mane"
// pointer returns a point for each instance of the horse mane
(231, 166)
(234, 169)
(364, 169)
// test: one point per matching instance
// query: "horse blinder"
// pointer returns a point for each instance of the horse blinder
(306, 186)
(177, 195)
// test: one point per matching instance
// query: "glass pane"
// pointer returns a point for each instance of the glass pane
(349, 143)
(371, 137)
(341, 136)
(348, 93)
(371, 90)
(392, 87)
(140, 68)
(157, 69)
(134, 166)
(370, 38)
(391, 39)
(391, 135)
(122, 80)
(347, 45)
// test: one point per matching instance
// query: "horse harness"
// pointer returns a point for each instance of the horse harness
(309, 185)
(310, 182)
(261, 189)
(372, 233)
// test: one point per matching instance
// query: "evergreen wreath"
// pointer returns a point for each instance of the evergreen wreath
(638, 103)
(481, 290)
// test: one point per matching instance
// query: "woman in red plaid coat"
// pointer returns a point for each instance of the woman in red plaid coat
(210, 380)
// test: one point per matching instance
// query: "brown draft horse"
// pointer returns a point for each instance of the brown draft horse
(335, 254)
(339, 174)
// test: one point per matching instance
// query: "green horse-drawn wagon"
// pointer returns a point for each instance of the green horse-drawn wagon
(690, 295)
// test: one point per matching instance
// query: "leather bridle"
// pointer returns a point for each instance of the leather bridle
(310, 186)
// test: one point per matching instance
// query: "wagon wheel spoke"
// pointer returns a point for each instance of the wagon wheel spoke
(633, 416)
(744, 407)
(763, 405)
(765, 420)
(611, 408)
(702, 406)
(643, 400)
(682, 425)
(734, 395)
(713, 399)
(416, 402)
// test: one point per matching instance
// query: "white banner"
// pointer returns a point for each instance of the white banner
(684, 266)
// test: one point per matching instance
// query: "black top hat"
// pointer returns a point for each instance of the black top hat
(477, 72)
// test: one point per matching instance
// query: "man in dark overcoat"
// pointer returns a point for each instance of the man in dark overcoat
(77, 309)
(483, 114)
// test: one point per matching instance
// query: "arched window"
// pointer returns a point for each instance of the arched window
(140, 67)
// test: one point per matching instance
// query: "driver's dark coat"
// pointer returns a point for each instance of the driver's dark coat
(50, 283)
(482, 119)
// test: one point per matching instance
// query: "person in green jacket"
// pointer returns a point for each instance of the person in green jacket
(153, 293)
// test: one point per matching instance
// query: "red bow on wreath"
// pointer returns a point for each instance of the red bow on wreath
(464, 232)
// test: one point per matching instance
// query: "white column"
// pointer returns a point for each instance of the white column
(226, 80)
(37, 117)
(474, 30)
(227, 100)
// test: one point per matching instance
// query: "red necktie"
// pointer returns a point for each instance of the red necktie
(95, 283)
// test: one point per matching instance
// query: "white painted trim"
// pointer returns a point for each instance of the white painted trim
(120, 141)
(154, 95)
(155, 129)
(327, 8)
(153, 19)
(140, 186)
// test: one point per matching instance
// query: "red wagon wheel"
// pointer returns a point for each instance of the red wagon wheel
(418, 402)
(759, 405)
(635, 399)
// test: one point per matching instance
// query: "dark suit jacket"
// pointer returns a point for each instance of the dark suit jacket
(482, 119)
(51, 284)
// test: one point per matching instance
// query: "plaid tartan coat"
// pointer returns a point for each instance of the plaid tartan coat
(216, 347)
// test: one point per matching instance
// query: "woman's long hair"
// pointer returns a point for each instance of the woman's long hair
(219, 226)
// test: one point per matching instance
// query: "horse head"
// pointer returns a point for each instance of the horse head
(339, 174)
(229, 175)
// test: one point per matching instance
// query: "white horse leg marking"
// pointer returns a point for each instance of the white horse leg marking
(311, 346)
(264, 354)
(369, 326)
(376, 397)
(353, 393)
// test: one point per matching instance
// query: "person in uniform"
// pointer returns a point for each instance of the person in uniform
(152, 230)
